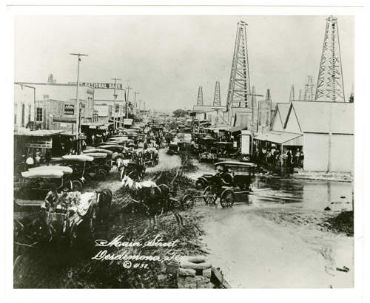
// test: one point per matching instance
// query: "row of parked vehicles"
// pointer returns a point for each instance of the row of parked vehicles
(72, 172)
(67, 175)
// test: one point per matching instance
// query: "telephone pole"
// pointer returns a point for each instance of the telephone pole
(78, 113)
(200, 96)
(127, 95)
(114, 101)
(135, 104)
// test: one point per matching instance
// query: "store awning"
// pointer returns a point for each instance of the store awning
(92, 125)
(37, 133)
(280, 138)
(237, 129)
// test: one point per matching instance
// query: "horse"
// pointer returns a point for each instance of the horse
(104, 199)
(155, 198)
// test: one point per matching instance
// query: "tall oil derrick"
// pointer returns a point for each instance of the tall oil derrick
(239, 84)
(308, 90)
(200, 96)
(292, 94)
(330, 85)
(217, 97)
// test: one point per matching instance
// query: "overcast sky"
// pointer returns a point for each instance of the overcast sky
(166, 58)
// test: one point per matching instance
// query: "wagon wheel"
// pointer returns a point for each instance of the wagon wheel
(200, 184)
(187, 202)
(227, 198)
(101, 174)
(209, 197)
(76, 185)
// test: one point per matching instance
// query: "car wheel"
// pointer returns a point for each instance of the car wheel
(227, 199)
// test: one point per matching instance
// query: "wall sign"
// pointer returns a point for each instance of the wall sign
(69, 109)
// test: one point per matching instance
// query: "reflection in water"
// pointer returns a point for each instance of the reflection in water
(303, 193)
(276, 241)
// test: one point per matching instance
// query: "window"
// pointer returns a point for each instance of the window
(39, 114)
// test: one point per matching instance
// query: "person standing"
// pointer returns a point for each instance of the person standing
(52, 197)
(29, 161)
(47, 157)
(289, 160)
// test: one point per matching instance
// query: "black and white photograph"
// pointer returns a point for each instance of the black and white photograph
(172, 151)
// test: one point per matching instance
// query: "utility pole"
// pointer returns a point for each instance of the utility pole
(200, 96)
(136, 93)
(78, 113)
(127, 98)
(114, 101)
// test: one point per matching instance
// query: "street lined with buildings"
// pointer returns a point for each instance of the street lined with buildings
(259, 188)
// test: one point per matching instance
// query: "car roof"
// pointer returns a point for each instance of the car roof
(54, 174)
(81, 158)
(97, 155)
(236, 163)
(52, 168)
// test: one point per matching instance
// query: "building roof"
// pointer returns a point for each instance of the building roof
(277, 137)
(283, 109)
(314, 116)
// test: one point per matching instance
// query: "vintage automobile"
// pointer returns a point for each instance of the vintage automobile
(101, 164)
(81, 165)
(151, 157)
(36, 183)
(97, 150)
(112, 147)
(173, 148)
(232, 184)
(225, 150)
(118, 140)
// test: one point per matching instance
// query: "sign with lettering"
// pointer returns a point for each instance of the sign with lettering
(100, 85)
(40, 143)
(69, 109)
(127, 122)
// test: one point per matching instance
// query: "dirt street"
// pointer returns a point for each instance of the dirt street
(278, 239)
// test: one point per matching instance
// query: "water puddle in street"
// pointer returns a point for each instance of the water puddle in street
(274, 241)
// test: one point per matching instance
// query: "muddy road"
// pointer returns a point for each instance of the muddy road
(278, 239)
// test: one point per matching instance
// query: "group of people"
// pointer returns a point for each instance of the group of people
(35, 157)
(274, 158)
